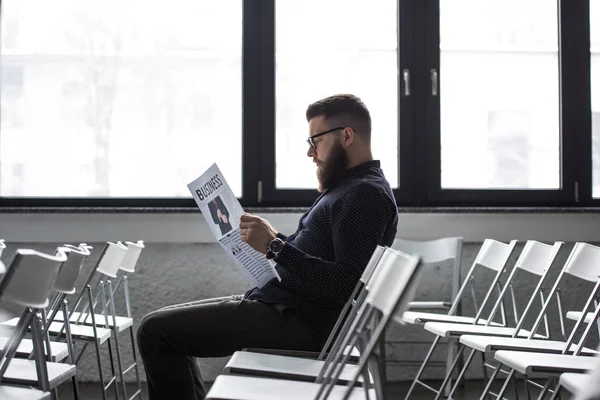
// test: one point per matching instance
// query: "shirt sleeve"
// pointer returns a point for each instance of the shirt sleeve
(359, 221)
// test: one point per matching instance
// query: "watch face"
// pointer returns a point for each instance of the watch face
(276, 245)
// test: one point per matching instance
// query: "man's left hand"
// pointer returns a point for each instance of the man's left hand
(257, 232)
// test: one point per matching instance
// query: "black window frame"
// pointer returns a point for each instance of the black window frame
(418, 122)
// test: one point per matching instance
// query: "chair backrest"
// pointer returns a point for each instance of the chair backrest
(493, 255)
(583, 263)
(68, 273)
(30, 277)
(131, 257)
(373, 261)
(431, 251)
(436, 251)
(396, 281)
(535, 258)
(111, 259)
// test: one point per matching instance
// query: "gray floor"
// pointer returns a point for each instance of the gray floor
(397, 391)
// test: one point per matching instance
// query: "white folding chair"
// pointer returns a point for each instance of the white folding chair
(583, 263)
(434, 251)
(27, 283)
(106, 293)
(535, 260)
(293, 365)
(107, 265)
(393, 288)
(493, 256)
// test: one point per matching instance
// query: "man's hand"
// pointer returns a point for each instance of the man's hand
(257, 232)
(224, 218)
(219, 214)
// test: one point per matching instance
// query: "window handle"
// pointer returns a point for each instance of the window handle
(406, 76)
(434, 81)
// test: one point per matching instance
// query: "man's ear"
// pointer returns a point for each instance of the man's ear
(348, 136)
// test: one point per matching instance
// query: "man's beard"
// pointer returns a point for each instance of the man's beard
(332, 168)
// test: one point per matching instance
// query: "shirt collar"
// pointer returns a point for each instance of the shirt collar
(360, 169)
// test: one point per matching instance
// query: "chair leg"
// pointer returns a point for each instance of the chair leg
(488, 386)
(506, 383)
(556, 393)
(461, 375)
(382, 367)
(545, 389)
(110, 298)
(135, 363)
(527, 391)
(71, 350)
(97, 346)
(422, 368)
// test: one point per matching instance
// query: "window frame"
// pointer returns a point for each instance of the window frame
(418, 122)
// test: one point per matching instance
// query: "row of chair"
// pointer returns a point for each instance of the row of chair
(308, 372)
(40, 284)
(520, 347)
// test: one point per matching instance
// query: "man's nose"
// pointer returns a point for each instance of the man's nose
(311, 152)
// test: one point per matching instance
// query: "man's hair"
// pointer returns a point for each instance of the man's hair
(343, 110)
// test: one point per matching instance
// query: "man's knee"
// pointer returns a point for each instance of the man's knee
(148, 329)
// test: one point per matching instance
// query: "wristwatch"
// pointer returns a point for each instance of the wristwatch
(274, 248)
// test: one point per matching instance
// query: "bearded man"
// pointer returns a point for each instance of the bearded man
(319, 264)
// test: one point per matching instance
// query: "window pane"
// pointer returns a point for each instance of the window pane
(119, 98)
(322, 50)
(499, 94)
(595, 49)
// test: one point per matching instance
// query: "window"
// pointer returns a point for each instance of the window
(499, 94)
(114, 95)
(344, 47)
(474, 103)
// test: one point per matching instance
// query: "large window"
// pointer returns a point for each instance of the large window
(347, 46)
(123, 102)
(499, 94)
(119, 98)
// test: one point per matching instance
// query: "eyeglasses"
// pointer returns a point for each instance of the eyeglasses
(311, 139)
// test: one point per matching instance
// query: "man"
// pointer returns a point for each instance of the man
(319, 264)
(220, 214)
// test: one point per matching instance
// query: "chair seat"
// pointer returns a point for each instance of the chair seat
(538, 364)
(123, 323)
(429, 305)
(8, 392)
(354, 353)
(23, 372)
(79, 332)
(491, 344)
(282, 367)
(574, 382)
(60, 351)
(575, 315)
(414, 317)
(237, 387)
(455, 330)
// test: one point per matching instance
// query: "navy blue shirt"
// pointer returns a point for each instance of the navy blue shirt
(324, 259)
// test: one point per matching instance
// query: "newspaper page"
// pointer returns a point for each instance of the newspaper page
(222, 212)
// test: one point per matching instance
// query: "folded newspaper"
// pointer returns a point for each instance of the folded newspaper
(222, 212)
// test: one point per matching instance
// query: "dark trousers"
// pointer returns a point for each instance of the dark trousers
(170, 339)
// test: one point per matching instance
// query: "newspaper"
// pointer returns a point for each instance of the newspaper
(222, 212)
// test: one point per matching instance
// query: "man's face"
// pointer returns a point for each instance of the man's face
(329, 156)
